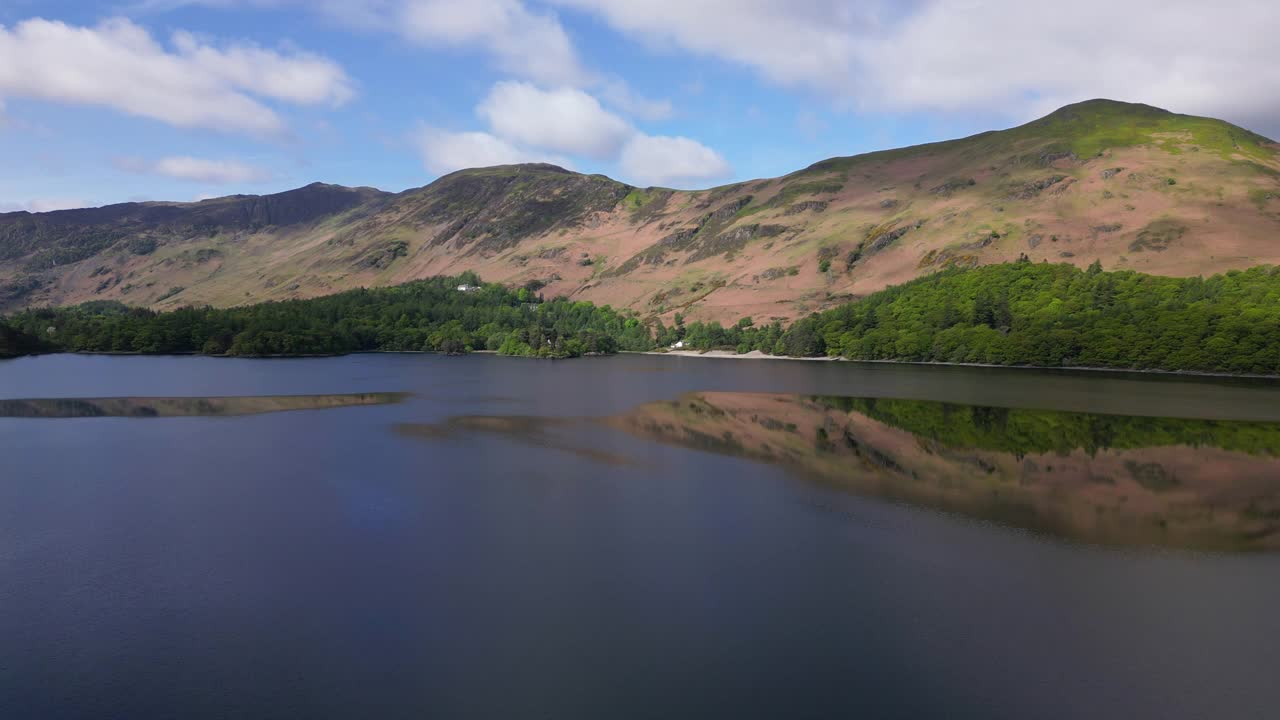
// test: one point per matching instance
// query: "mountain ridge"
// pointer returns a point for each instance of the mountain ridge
(1134, 186)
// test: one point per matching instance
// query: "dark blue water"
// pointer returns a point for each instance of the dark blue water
(318, 564)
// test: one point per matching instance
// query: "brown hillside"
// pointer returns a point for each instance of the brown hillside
(1133, 186)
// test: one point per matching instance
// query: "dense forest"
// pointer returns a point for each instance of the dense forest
(1011, 314)
(14, 342)
(1040, 314)
(425, 315)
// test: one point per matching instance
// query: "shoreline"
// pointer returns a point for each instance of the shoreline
(717, 354)
(757, 355)
(729, 355)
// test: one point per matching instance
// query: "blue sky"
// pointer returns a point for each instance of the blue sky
(181, 99)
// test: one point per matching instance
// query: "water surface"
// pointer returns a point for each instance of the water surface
(524, 538)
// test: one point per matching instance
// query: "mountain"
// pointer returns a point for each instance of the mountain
(1134, 186)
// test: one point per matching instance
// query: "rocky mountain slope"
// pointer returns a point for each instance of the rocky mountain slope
(1133, 186)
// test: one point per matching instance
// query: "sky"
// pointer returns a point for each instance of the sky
(104, 102)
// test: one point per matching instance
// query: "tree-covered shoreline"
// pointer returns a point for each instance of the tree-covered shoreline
(1015, 314)
(443, 314)
(1056, 316)
(15, 343)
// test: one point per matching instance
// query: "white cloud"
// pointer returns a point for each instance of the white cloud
(183, 167)
(564, 120)
(524, 43)
(793, 42)
(1011, 57)
(444, 151)
(664, 160)
(1029, 58)
(529, 124)
(51, 204)
(1008, 57)
(302, 78)
(117, 64)
(39, 205)
(618, 94)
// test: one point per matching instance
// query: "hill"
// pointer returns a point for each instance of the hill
(1136, 187)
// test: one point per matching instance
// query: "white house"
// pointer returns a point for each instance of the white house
(468, 288)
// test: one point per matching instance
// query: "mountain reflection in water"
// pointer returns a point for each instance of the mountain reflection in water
(1102, 479)
(140, 407)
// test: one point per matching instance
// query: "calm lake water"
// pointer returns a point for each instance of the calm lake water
(632, 537)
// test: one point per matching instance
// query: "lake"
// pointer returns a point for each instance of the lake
(409, 536)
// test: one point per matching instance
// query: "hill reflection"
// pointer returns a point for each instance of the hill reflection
(1104, 479)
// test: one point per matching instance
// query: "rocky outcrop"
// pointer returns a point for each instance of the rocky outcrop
(1158, 236)
(947, 188)
(733, 240)
(1049, 158)
(1027, 191)
(882, 237)
(728, 210)
(816, 206)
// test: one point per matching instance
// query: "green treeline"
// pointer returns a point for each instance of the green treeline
(1011, 314)
(1051, 315)
(1026, 432)
(14, 342)
(744, 336)
(426, 315)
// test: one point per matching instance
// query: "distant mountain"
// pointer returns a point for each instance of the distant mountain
(1131, 185)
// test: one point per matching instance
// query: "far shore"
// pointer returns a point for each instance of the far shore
(720, 354)
(753, 355)
(757, 355)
